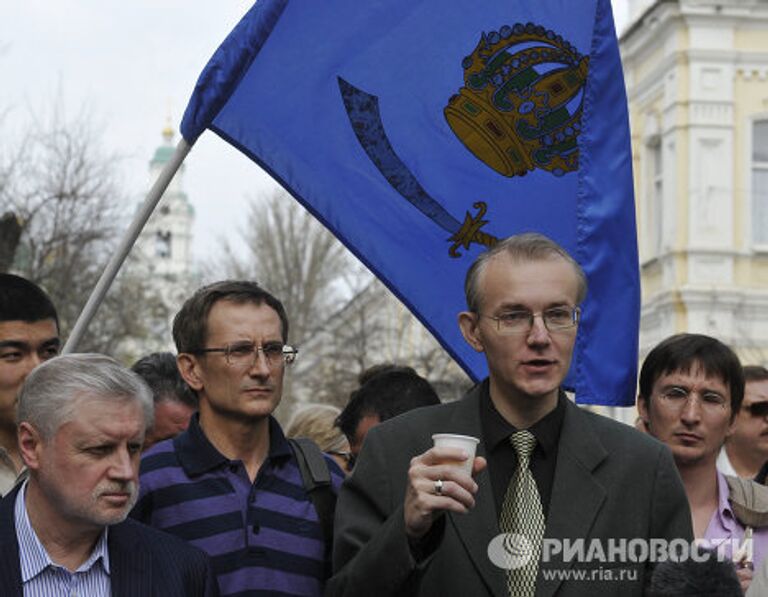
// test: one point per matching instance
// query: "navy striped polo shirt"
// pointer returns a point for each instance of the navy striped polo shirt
(264, 538)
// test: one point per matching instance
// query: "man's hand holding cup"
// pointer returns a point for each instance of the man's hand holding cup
(441, 479)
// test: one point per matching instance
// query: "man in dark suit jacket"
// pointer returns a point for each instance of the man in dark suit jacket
(409, 522)
(143, 561)
(82, 420)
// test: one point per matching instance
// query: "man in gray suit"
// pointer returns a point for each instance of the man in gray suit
(409, 522)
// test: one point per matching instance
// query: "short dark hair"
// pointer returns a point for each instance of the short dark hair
(380, 368)
(681, 352)
(755, 373)
(22, 300)
(386, 394)
(160, 373)
(190, 326)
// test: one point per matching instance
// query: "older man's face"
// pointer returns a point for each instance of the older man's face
(88, 471)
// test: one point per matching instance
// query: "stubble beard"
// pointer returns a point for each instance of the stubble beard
(93, 513)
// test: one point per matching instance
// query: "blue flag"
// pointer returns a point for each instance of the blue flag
(421, 131)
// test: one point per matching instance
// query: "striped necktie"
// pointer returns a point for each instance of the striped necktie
(522, 517)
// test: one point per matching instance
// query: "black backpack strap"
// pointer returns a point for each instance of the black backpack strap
(317, 481)
(314, 469)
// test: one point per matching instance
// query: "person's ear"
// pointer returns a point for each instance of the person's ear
(189, 369)
(642, 409)
(30, 445)
(731, 428)
(468, 323)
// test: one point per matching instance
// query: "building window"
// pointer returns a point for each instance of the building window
(163, 244)
(654, 197)
(760, 182)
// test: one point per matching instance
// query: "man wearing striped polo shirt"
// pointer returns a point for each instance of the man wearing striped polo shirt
(230, 484)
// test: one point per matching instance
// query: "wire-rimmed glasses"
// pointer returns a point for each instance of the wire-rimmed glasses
(520, 321)
(244, 354)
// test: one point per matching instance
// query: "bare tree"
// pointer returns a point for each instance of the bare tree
(62, 189)
(371, 329)
(379, 329)
(350, 341)
(293, 256)
(10, 235)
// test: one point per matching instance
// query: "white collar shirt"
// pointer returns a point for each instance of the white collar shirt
(41, 577)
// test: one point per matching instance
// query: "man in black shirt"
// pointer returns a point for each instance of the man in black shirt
(410, 522)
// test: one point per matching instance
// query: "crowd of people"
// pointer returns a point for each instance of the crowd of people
(173, 477)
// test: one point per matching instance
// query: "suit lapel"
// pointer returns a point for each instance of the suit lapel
(478, 526)
(130, 565)
(576, 495)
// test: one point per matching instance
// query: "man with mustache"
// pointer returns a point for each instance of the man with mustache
(691, 387)
(231, 483)
(81, 424)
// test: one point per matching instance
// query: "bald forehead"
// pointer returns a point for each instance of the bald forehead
(503, 262)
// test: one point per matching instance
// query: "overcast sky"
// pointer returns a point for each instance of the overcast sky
(127, 64)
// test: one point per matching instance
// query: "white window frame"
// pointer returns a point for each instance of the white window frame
(758, 244)
(653, 198)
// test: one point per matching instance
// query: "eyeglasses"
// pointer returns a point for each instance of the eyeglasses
(520, 321)
(244, 354)
(676, 398)
(757, 409)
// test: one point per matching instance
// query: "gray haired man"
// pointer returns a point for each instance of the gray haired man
(81, 424)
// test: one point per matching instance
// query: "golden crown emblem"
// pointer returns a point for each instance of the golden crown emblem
(521, 104)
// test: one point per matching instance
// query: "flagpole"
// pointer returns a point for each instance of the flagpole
(126, 243)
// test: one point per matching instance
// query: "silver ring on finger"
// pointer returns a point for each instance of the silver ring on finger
(439, 487)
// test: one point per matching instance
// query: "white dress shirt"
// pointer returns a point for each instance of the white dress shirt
(41, 577)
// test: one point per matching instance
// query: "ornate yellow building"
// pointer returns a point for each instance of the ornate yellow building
(696, 73)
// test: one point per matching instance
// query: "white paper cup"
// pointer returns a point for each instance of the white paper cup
(463, 442)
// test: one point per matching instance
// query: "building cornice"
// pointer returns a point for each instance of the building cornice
(664, 15)
(648, 19)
